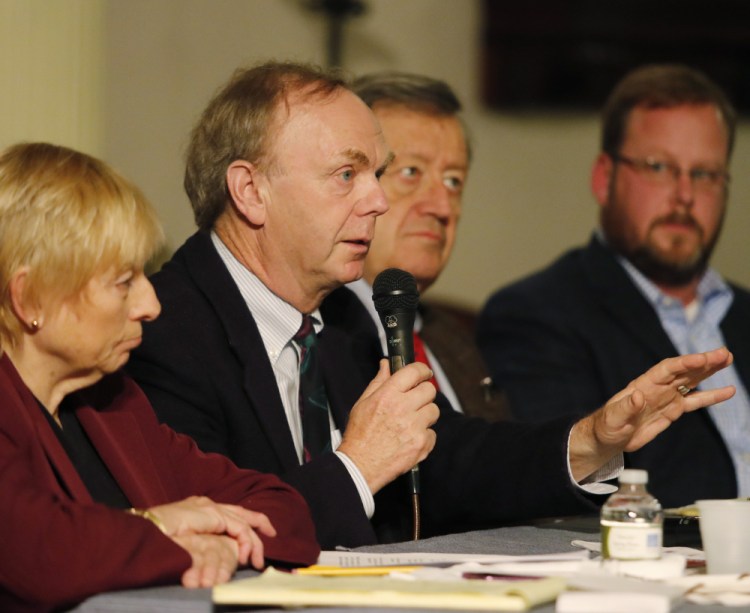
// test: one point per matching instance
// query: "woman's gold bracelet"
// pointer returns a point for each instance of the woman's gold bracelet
(146, 514)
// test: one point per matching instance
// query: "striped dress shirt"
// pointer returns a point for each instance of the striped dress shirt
(278, 321)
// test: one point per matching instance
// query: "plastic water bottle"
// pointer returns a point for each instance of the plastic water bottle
(631, 520)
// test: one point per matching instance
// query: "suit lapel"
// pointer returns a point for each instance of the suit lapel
(213, 279)
(117, 437)
(618, 295)
(344, 348)
(61, 463)
(736, 325)
(336, 358)
(65, 474)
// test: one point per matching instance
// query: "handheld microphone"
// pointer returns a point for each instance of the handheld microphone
(396, 297)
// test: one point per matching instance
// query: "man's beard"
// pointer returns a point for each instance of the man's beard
(660, 267)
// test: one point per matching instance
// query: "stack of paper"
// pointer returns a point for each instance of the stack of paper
(289, 590)
(511, 583)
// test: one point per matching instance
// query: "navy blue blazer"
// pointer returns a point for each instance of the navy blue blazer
(566, 339)
(206, 372)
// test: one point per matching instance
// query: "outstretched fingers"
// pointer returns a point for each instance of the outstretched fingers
(690, 369)
(656, 399)
(697, 399)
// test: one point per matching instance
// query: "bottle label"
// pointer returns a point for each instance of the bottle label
(622, 541)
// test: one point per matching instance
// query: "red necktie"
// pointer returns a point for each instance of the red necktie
(420, 355)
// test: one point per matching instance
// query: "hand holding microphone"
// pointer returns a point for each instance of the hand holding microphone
(388, 431)
(396, 299)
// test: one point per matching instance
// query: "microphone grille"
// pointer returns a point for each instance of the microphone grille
(395, 289)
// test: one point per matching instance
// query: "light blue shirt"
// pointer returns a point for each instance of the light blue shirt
(694, 329)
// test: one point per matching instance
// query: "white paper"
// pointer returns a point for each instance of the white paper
(350, 559)
(612, 602)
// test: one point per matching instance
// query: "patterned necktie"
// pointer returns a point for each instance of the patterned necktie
(420, 355)
(313, 403)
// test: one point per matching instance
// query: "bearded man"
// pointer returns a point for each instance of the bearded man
(642, 290)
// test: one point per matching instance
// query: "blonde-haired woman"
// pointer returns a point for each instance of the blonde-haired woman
(96, 495)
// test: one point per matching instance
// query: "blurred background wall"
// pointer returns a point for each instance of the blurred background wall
(126, 79)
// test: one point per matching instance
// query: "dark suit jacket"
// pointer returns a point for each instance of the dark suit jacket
(58, 546)
(569, 337)
(206, 371)
(452, 343)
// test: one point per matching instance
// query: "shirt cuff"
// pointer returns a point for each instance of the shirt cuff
(365, 495)
(593, 484)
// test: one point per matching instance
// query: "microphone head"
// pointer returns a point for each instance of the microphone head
(395, 289)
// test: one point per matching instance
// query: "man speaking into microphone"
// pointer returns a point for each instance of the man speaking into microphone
(259, 345)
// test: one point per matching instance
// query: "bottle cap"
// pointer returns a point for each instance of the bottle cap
(634, 476)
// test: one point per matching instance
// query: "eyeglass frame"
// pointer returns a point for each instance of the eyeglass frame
(708, 178)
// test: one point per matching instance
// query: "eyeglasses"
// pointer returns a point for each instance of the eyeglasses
(661, 172)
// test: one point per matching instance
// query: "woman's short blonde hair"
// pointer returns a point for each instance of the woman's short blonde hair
(66, 217)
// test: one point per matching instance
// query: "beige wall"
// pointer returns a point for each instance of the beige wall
(527, 198)
(51, 71)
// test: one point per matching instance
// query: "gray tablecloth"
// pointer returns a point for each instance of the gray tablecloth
(545, 538)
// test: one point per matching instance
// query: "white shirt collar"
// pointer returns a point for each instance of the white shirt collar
(277, 320)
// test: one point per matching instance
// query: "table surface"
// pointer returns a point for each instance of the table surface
(553, 536)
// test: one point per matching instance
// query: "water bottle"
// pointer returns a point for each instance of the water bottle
(631, 520)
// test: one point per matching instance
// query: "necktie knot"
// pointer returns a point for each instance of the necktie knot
(305, 336)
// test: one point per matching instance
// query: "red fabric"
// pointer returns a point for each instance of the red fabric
(58, 546)
(420, 355)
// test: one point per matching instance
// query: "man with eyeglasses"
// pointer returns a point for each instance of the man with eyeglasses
(421, 120)
(642, 289)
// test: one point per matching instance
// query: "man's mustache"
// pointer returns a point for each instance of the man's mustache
(684, 219)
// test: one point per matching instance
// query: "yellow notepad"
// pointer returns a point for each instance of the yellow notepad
(290, 590)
